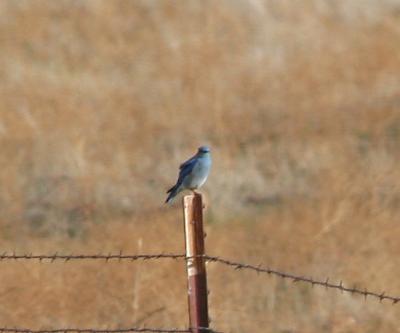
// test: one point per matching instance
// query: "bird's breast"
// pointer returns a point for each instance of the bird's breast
(199, 173)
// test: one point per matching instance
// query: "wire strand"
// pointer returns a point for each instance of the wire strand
(93, 330)
(234, 264)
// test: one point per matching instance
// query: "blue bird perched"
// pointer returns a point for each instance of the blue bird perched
(193, 173)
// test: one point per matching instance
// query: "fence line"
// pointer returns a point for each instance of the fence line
(297, 278)
(93, 330)
(106, 257)
(236, 265)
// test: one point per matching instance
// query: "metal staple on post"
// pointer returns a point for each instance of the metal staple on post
(196, 269)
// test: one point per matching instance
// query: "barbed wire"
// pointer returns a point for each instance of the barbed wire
(106, 257)
(296, 278)
(93, 330)
(236, 265)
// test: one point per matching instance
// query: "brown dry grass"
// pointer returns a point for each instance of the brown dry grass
(100, 101)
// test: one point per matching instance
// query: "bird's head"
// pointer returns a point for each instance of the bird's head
(203, 150)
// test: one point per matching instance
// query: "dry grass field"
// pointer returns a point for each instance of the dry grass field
(300, 102)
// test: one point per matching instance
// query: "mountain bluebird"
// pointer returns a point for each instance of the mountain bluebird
(193, 173)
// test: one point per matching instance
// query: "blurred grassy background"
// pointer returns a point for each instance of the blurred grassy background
(299, 100)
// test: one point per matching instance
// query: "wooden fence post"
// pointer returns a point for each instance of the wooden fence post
(196, 269)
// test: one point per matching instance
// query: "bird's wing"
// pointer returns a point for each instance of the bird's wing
(188, 162)
(185, 169)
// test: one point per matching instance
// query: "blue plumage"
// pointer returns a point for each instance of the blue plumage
(193, 173)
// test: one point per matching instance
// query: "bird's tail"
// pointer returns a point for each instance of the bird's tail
(172, 192)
